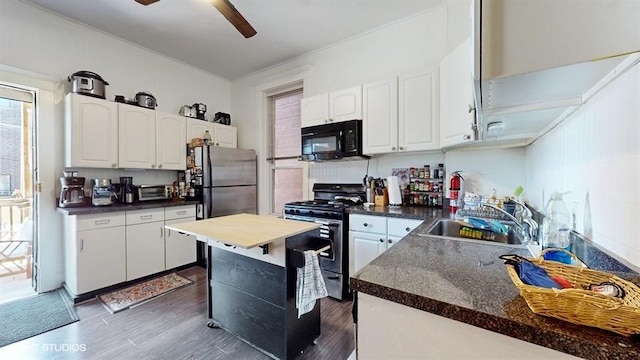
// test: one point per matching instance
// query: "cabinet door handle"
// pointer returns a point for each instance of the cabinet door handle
(160, 166)
(181, 212)
(471, 108)
(393, 148)
(408, 229)
(390, 241)
(81, 244)
(401, 148)
(146, 217)
(332, 278)
(153, 166)
(161, 232)
(102, 222)
(365, 224)
(113, 165)
(168, 232)
(466, 137)
(381, 240)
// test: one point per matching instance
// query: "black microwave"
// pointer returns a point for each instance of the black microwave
(335, 141)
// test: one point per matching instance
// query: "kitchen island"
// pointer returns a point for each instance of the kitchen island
(251, 270)
(426, 296)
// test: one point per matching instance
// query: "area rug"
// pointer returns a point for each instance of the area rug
(140, 293)
(24, 318)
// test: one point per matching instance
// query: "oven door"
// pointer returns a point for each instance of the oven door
(322, 143)
(331, 234)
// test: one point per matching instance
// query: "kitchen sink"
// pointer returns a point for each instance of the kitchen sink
(448, 228)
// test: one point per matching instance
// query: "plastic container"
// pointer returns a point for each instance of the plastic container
(555, 230)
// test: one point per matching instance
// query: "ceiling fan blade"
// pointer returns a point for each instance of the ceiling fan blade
(146, 2)
(234, 17)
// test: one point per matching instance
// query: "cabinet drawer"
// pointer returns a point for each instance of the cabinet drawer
(401, 227)
(145, 216)
(179, 212)
(100, 221)
(368, 224)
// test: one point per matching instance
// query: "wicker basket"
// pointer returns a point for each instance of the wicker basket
(582, 307)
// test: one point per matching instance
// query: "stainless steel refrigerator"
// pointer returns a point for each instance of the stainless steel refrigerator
(224, 179)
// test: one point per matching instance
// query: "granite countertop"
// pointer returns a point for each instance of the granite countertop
(87, 208)
(467, 282)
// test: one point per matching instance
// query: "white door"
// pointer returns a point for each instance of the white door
(180, 249)
(196, 128)
(314, 110)
(101, 258)
(145, 249)
(380, 117)
(366, 247)
(171, 140)
(136, 137)
(91, 127)
(225, 136)
(345, 104)
(456, 97)
(418, 123)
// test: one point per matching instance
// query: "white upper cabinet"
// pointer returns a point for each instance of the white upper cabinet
(171, 141)
(314, 110)
(401, 114)
(336, 106)
(536, 62)
(136, 137)
(456, 97)
(91, 130)
(225, 136)
(418, 126)
(221, 135)
(345, 104)
(380, 117)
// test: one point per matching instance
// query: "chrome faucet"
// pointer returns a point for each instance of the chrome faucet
(527, 225)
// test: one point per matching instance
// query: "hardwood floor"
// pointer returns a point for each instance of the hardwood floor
(172, 326)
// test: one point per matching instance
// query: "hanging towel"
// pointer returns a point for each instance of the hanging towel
(310, 284)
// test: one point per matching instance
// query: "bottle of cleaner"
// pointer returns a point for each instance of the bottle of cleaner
(555, 230)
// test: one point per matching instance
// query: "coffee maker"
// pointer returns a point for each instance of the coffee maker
(72, 192)
(102, 192)
(127, 190)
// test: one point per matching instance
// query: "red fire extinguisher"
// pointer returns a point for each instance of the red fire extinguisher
(454, 187)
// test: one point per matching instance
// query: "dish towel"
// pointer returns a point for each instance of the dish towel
(310, 284)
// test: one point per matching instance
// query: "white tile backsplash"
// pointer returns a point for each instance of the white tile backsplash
(140, 177)
(596, 153)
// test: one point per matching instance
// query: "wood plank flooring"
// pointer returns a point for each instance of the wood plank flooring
(172, 326)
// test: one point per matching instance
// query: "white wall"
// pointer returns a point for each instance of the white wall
(40, 45)
(595, 154)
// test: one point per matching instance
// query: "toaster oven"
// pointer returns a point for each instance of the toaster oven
(154, 192)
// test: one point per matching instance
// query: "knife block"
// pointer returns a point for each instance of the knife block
(382, 200)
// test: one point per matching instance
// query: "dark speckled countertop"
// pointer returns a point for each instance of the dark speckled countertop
(467, 282)
(90, 209)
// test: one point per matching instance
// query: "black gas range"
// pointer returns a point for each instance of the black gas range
(328, 208)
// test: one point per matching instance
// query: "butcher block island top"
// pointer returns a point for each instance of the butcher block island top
(244, 230)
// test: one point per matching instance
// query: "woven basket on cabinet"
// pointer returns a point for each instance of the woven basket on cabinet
(578, 306)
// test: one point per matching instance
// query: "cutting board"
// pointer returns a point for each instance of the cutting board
(244, 230)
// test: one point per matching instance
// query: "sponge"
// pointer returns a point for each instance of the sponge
(518, 191)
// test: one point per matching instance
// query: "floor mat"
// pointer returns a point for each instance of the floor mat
(137, 294)
(24, 318)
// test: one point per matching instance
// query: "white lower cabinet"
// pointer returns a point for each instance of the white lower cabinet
(95, 251)
(179, 248)
(145, 242)
(370, 236)
(388, 330)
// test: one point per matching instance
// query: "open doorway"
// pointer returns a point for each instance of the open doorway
(17, 246)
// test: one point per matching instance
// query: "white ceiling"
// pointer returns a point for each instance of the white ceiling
(194, 32)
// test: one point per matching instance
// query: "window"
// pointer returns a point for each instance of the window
(287, 173)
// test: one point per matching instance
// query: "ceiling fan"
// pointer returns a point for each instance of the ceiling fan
(228, 11)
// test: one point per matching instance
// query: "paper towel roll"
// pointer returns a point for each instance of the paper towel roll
(393, 187)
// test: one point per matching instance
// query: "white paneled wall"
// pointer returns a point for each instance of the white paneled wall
(595, 154)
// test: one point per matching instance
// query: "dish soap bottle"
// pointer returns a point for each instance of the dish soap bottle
(556, 228)
(207, 138)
